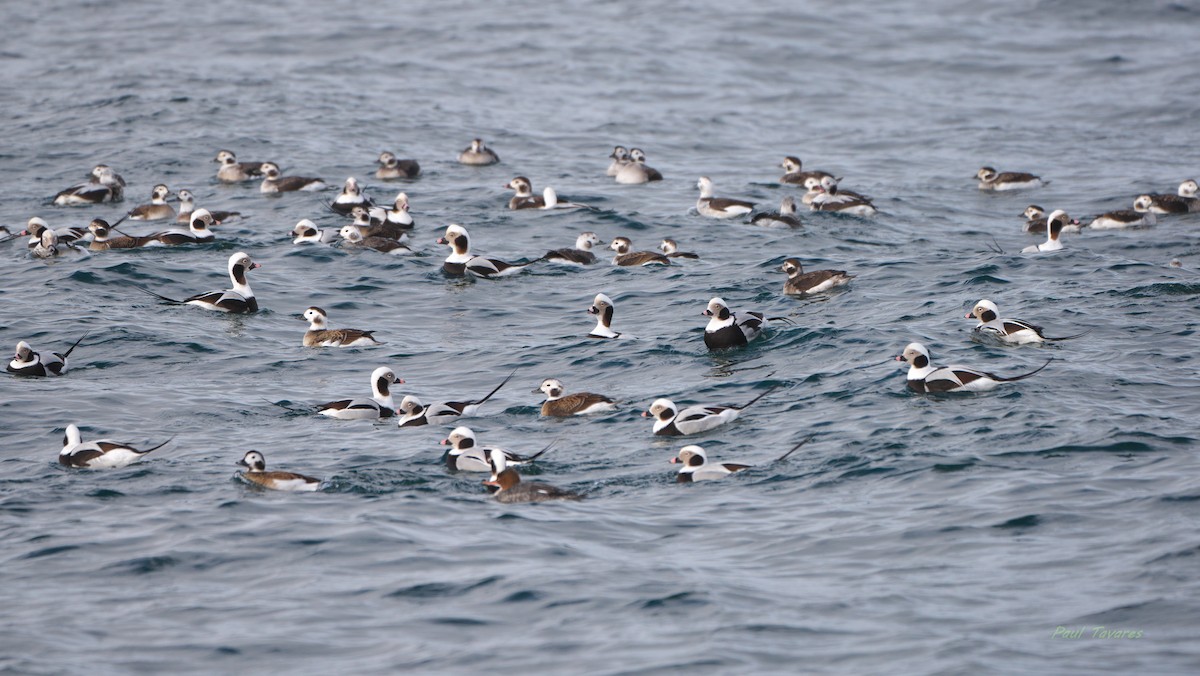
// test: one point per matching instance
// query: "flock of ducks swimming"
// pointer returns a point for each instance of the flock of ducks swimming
(387, 230)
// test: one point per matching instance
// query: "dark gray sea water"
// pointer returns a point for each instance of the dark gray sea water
(1010, 532)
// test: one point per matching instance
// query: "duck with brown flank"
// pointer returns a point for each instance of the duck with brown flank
(510, 488)
(257, 474)
(627, 258)
(320, 335)
(562, 405)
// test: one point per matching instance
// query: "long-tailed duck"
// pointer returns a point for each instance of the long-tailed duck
(696, 466)
(800, 282)
(350, 197)
(47, 246)
(414, 414)
(672, 421)
(719, 207)
(990, 179)
(478, 155)
(239, 299)
(399, 214)
(784, 218)
(1137, 217)
(307, 232)
(35, 226)
(461, 261)
(157, 209)
(725, 330)
(99, 454)
(198, 231)
(274, 182)
(378, 406)
(924, 377)
(620, 157)
(625, 257)
(1182, 202)
(670, 249)
(1013, 331)
(105, 185)
(830, 197)
(102, 240)
(581, 254)
(1035, 221)
(510, 489)
(1054, 225)
(232, 171)
(465, 455)
(187, 204)
(562, 405)
(390, 167)
(320, 335)
(602, 306)
(353, 237)
(257, 474)
(27, 362)
(794, 173)
(524, 199)
(635, 170)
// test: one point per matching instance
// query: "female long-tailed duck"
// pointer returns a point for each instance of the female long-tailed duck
(378, 406)
(390, 167)
(307, 232)
(478, 155)
(99, 454)
(48, 245)
(784, 218)
(1054, 226)
(620, 157)
(320, 335)
(524, 199)
(924, 377)
(232, 171)
(257, 474)
(625, 257)
(461, 261)
(1014, 331)
(239, 299)
(510, 489)
(725, 330)
(350, 197)
(604, 309)
(27, 362)
(581, 254)
(670, 249)
(414, 414)
(635, 170)
(1035, 221)
(373, 222)
(105, 185)
(187, 205)
(157, 209)
(1137, 217)
(562, 405)
(794, 173)
(990, 179)
(800, 282)
(830, 197)
(1182, 202)
(35, 226)
(198, 232)
(696, 466)
(102, 240)
(719, 207)
(465, 455)
(275, 182)
(353, 237)
(672, 421)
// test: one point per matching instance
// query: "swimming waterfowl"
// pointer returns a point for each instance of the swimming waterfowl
(670, 249)
(275, 182)
(719, 207)
(320, 335)
(990, 179)
(625, 257)
(390, 167)
(1054, 225)
(510, 489)
(157, 209)
(725, 330)
(99, 454)
(353, 237)
(198, 231)
(461, 261)
(1014, 331)
(102, 239)
(232, 171)
(466, 455)
(620, 157)
(800, 282)
(603, 307)
(257, 474)
(784, 218)
(794, 172)
(105, 185)
(561, 405)
(696, 466)
(187, 205)
(524, 199)
(307, 232)
(477, 154)
(349, 198)
(635, 170)
(415, 414)
(671, 421)
(1139, 216)
(28, 362)
(924, 377)
(239, 299)
(581, 254)
(378, 406)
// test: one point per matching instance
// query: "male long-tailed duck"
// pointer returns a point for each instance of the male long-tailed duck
(620, 157)
(725, 330)
(603, 307)
(399, 215)
(625, 257)
(510, 489)
(378, 406)
(239, 299)
(524, 199)
(353, 237)
(35, 226)
(99, 454)
(275, 182)
(414, 414)
(105, 185)
(794, 172)
(562, 405)
(800, 282)
(478, 155)
(187, 205)
(1013, 331)
(307, 232)
(635, 170)
(461, 261)
(1054, 226)
(1137, 217)
(102, 240)
(232, 171)
(990, 179)
(157, 209)
(784, 218)
(719, 207)
(373, 222)
(696, 466)
(198, 231)
(465, 455)
(390, 167)
(1035, 221)
(47, 246)
(924, 377)
(320, 335)
(581, 254)
(830, 197)
(672, 421)
(350, 197)
(257, 474)
(28, 362)
(670, 249)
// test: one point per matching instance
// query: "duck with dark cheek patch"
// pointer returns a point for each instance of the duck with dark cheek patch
(925, 378)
